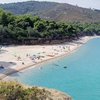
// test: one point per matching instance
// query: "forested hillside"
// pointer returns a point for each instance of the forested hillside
(54, 11)
(26, 29)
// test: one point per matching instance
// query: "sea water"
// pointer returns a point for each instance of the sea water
(77, 74)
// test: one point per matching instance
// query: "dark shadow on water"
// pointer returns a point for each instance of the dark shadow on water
(7, 70)
(62, 66)
(11, 72)
(54, 64)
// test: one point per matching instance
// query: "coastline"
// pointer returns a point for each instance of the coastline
(73, 46)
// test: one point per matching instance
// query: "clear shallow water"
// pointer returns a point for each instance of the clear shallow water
(81, 78)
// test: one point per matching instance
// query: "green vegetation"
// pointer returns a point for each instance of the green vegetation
(16, 91)
(54, 11)
(26, 29)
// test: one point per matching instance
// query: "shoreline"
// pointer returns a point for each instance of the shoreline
(82, 41)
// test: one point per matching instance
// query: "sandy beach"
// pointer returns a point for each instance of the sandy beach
(17, 58)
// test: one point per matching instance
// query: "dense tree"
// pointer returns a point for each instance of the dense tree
(23, 28)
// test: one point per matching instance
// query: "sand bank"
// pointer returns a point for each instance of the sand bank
(18, 58)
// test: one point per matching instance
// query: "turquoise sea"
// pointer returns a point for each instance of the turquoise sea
(77, 74)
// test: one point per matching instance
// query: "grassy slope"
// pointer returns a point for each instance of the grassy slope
(16, 91)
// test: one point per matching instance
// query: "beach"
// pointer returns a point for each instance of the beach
(17, 58)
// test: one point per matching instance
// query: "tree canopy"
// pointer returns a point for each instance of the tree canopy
(26, 29)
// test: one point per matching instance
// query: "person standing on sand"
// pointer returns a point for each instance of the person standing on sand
(22, 63)
(19, 58)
